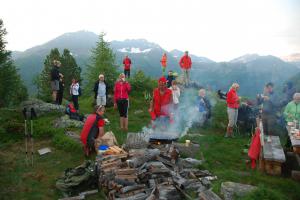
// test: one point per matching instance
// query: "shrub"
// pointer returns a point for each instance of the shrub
(141, 82)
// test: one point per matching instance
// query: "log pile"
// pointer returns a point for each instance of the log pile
(148, 174)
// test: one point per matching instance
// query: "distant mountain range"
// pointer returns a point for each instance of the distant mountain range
(250, 70)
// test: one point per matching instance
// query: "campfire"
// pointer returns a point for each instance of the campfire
(155, 171)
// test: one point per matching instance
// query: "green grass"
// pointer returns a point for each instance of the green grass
(224, 157)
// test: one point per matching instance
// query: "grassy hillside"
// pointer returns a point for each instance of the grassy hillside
(224, 157)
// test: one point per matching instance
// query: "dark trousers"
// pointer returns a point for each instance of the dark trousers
(59, 97)
(269, 122)
(123, 107)
(127, 73)
(75, 101)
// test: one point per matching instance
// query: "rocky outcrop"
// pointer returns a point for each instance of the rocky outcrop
(66, 122)
(41, 107)
(230, 189)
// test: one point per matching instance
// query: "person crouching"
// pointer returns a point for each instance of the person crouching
(93, 128)
(161, 102)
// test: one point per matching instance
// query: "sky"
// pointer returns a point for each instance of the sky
(218, 29)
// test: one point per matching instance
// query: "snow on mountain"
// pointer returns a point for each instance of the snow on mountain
(134, 50)
(245, 58)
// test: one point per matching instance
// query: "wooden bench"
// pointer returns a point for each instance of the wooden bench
(272, 154)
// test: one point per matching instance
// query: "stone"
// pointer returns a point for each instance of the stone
(231, 189)
(66, 122)
(73, 135)
(41, 107)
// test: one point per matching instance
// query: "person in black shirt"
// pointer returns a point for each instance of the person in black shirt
(170, 78)
(60, 92)
(55, 75)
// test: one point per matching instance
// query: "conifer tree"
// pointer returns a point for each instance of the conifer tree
(102, 62)
(69, 69)
(12, 89)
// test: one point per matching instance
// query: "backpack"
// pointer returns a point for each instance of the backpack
(78, 179)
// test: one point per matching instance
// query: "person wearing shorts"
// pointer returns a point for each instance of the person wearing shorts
(55, 76)
(121, 95)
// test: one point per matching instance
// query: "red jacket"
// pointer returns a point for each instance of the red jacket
(161, 103)
(127, 63)
(88, 125)
(121, 89)
(185, 62)
(232, 99)
(163, 61)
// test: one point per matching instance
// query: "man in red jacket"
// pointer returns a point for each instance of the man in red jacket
(127, 63)
(186, 64)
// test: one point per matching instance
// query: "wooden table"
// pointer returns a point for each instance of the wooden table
(295, 142)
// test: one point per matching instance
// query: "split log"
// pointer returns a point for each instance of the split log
(125, 171)
(140, 196)
(150, 154)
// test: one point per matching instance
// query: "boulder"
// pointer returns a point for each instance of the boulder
(41, 107)
(66, 122)
(230, 189)
(73, 135)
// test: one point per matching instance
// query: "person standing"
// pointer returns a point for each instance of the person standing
(175, 94)
(74, 92)
(100, 90)
(127, 65)
(204, 106)
(186, 64)
(121, 100)
(60, 93)
(233, 103)
(163, 62)
(292, 109)
(270, 105)
(55, 75)
(170, 78)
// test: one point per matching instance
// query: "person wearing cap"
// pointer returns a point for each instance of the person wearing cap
(121, 100)
(292, 109)
(100, 90)
(127, 64)
(186, 64)
(163, 62)
(161, 102)
(55, 76)
(233, 103)
(95, 118)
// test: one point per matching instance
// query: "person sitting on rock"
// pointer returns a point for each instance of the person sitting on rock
(93, 128)
(161, 102)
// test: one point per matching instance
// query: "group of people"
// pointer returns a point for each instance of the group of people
(271, 104)
(164, 103)
(58, 84)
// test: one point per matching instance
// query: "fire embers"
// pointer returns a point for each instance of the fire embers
(150, 174)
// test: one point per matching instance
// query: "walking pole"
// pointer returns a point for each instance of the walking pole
(32, 116)
(26, 134)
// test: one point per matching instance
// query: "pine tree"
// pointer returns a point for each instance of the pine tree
(102, 62)
(43, 82)
(12, 89)
(69, 69)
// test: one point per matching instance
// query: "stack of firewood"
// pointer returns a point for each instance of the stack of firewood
(149, 174)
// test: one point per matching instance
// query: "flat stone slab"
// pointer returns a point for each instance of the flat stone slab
(231, 189)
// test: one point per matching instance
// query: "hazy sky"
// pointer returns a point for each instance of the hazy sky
(218, 29)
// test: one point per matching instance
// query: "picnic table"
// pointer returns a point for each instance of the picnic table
(272, 153)
(295, 142)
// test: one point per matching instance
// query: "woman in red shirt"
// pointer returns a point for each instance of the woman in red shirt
(121, 94)
(233, 101)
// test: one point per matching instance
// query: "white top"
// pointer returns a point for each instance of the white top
(175, 94)
(74, 89)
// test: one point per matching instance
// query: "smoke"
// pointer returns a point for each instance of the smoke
(184, 116)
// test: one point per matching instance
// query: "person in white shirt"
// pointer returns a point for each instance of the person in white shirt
(74, 92)
(100, 90)
(176, 94)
